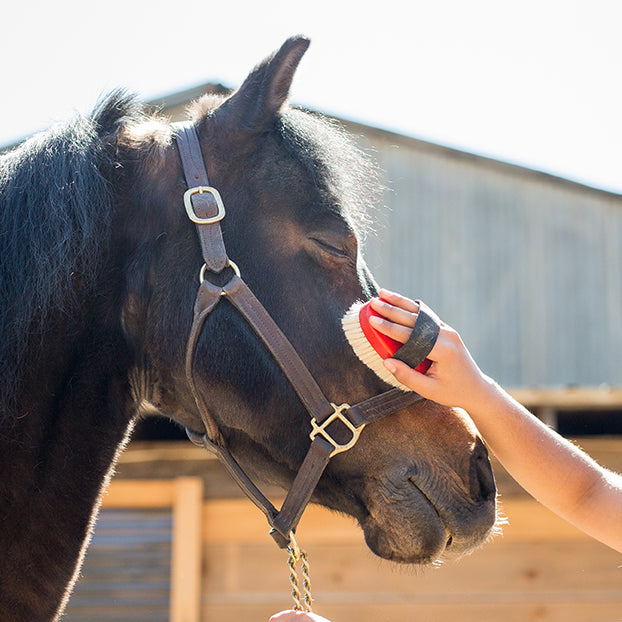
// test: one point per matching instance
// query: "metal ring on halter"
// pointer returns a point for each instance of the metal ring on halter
(320, 428)
(229, 264)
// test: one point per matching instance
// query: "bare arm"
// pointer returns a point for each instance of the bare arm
(553, 470)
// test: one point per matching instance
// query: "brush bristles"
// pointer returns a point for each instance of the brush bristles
(363, 349)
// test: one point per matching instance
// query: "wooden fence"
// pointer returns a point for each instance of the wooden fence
(541, 569)
(226, 568)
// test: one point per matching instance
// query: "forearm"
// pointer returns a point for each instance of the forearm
(549, 467)
(530, 451)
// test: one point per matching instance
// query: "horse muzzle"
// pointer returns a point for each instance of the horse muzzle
(416, 517)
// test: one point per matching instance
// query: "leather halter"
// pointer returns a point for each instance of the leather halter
(205, 208)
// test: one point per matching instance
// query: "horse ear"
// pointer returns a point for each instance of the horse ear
(266, 89)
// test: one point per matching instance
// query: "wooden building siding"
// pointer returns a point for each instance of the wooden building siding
(525, 265)
(127, 570)
(143, 563)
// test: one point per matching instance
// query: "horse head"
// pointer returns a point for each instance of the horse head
(297, 194)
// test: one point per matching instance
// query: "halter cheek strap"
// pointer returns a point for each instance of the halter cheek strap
(205, 208)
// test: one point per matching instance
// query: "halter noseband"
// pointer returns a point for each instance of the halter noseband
(205, 208)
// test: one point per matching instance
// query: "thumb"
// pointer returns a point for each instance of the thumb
(414, 380)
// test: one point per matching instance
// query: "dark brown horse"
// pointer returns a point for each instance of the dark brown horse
(98, 268)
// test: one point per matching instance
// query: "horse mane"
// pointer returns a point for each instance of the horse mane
(55, 217)
(344, 173)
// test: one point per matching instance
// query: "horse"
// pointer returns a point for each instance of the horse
(98, 266)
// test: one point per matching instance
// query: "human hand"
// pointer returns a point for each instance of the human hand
(297, 616)
(453, 379)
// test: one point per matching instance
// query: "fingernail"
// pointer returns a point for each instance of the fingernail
(375, 320)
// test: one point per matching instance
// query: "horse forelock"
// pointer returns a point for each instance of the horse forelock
(55, 217)
(341, 170)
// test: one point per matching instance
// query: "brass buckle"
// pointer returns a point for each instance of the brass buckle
(337, 414)
(210, 220)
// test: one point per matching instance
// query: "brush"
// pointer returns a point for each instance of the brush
(372, 347)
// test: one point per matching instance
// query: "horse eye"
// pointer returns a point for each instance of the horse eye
(327, 247)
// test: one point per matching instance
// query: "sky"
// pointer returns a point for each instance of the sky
(531, 82)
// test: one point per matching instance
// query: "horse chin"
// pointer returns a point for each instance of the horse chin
(421, 543)
(404, 529)
(404, 525)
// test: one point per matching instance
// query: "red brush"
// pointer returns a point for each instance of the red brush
(371, 346)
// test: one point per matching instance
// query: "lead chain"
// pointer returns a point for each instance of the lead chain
(295, 555)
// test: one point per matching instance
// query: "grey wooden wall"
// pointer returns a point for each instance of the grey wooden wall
(526, 266)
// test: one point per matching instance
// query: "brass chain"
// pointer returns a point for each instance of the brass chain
(295, 555)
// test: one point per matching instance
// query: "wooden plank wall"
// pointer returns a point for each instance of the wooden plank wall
(126, 573)
(184, 495)
(541, 569)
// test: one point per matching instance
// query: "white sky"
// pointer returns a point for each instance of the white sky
(534, 82)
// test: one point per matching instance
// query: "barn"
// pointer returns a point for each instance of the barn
(527, 267)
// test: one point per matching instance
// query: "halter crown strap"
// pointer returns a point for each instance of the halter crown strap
(205, 208)
(203, 203)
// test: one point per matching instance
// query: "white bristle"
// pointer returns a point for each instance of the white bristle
(362, 348)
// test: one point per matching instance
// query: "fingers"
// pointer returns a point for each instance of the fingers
(395, 331)
(297, 616)
(399, 301)
(284, 616)
(397, 320)
(394, 313)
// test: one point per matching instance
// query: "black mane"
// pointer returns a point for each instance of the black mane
(342, 171)
(55, 204)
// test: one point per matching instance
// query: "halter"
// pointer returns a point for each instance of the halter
(205, 208)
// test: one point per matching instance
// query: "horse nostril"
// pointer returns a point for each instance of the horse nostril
(482, 481)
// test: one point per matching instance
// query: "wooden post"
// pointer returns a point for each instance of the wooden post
(186, 551)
